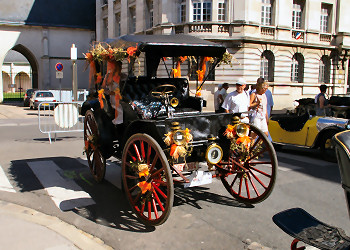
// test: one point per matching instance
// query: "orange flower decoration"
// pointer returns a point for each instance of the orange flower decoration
(200, 74)
(144, 172)
(131, 52)
(230, 131)
(89, 56)
(144, 186)
(101, 96)
(245, 140)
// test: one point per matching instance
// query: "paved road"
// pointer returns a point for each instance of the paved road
(54, 179)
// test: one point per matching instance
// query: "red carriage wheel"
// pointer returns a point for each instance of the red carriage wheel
(250, 175)
(147, 179)
(96, 160)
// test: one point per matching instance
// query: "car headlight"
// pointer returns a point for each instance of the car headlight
(214, 154)
(179, 137)
(242, 129)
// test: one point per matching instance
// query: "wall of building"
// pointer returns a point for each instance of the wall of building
(246, 39)
(45, 31)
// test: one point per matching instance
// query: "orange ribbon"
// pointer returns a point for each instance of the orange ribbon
(101, 96)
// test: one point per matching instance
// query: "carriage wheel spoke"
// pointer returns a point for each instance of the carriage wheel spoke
(261, 183)
(154, 163)
(143, 207)
(149, 210)
(254, 187)
(247, 187)
(132, 157)
(142, 150)
(154, 174)
(240, 186)
(137, 153)
(261, 172)
(158, 201)
(155, 208)
(159, 191)
(149, 151)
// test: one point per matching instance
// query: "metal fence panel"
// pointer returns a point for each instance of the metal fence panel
(59, 117)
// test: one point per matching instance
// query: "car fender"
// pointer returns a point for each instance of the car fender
(90, 105)
(336, 129)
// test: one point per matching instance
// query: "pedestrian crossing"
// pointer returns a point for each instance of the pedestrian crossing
(5, 184)
(60, 185)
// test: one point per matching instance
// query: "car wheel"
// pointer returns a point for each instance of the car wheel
(327, 149)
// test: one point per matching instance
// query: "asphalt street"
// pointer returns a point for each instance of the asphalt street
(205, 217)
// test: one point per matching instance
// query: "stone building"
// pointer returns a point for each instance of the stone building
(294, 44)
(43, 32)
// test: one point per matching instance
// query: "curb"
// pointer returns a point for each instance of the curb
(78, 237)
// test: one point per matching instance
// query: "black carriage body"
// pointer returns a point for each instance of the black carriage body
(246, 162)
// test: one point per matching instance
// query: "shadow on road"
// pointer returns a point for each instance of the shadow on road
(313, 165)
(110, 208)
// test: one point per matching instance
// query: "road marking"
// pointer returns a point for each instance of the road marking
(65, 193)
(5, 184)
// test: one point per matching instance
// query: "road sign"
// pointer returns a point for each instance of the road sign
(59, 66)
(59, 74)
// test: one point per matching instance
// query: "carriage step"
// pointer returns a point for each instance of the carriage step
(304, 227)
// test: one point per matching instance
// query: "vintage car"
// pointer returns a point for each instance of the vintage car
(304, 129)
(165, 137)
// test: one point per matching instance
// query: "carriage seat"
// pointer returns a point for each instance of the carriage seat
(291, 123)
(138, 88)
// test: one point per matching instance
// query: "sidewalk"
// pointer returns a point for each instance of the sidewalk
(16, 111)
(25, 228)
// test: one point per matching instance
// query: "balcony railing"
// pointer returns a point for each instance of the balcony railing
(267, 31)
(196, 28)
(325, 37)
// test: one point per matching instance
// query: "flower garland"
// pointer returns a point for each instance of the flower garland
(177, 151)
(240, 143)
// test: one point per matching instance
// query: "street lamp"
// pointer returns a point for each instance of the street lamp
(74, 57)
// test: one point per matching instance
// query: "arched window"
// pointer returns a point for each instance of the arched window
(325, 69)
(297, 68)
(267, 65)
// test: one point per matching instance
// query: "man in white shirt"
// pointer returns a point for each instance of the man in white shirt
(238, 100)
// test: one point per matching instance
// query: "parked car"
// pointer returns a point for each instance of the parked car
(40, 96)
(27, 96)
(306, 130)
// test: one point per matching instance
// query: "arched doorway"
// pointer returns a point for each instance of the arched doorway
(19, 73)
(32, 61)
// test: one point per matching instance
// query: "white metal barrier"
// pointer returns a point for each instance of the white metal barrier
(59, 117)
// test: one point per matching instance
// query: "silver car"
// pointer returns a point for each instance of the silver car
(42, 96)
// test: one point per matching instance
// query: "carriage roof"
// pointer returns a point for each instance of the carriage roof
(170, 45)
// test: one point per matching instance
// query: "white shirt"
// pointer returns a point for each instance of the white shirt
(236, 102)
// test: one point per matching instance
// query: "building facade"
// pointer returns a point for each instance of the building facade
(43, 32)
(294, 44)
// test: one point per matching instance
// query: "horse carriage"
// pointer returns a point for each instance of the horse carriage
(156, 126)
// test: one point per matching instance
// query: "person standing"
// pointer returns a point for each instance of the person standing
(258, 104)
(220, 97)
(238, 100)
(216, 100)
(322, 101)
